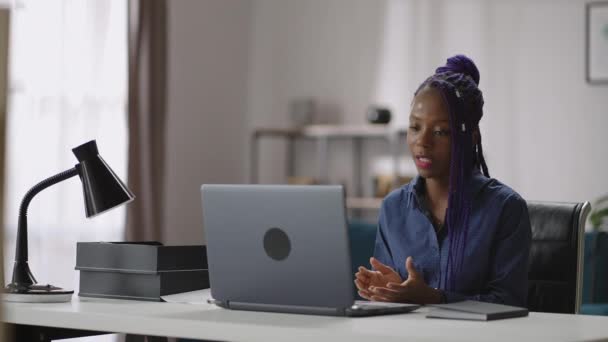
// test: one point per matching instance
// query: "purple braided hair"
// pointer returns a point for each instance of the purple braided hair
(458, 83)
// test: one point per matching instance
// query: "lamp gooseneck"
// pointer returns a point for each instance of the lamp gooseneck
(22, 276)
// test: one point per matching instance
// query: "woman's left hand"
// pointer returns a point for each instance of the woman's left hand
(412, 290)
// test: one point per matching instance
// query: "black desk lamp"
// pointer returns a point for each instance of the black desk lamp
(103, 190)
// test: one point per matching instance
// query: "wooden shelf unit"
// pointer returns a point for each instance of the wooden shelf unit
(323, 134)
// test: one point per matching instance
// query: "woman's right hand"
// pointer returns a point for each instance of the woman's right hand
(380, 277)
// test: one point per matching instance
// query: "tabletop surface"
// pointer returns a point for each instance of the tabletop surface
(206, 321)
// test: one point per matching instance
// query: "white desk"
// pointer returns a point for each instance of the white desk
(209, 322)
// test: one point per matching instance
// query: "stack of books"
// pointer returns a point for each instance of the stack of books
(140, 271)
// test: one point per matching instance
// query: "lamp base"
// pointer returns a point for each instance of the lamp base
(36, 294)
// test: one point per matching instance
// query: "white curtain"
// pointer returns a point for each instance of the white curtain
(68, 72)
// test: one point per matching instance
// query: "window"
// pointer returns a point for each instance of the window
(68, 85)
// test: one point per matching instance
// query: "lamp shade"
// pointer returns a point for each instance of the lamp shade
(102, 189)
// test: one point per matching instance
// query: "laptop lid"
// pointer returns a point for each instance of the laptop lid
(278, 245)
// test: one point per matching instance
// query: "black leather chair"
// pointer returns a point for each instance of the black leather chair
(556, 256)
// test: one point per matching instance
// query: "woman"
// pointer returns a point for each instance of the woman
(452, 233)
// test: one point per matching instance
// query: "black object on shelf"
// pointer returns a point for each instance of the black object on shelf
(378, 115)
(141, 270)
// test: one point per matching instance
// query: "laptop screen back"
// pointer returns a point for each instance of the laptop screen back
(278, 244)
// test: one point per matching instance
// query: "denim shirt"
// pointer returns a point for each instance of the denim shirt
(495, 264)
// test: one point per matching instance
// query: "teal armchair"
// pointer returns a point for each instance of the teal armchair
(362, 240)
(595, 274)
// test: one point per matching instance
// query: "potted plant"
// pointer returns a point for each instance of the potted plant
(599, 214)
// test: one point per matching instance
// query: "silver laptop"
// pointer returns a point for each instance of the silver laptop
(282, 248)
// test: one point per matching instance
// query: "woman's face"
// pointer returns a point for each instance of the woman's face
(428, 135)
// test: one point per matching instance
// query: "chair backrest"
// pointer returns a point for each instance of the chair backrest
(556, 256)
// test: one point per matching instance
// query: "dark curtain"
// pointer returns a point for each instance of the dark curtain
(147, 104)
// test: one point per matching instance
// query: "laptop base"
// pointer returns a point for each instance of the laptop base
(359, 309)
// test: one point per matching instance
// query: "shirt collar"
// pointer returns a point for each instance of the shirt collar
(476, 183)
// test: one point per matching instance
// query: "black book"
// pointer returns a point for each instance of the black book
(139, 270)
(477, 311)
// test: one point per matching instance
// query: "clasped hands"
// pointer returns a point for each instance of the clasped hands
(384, 284)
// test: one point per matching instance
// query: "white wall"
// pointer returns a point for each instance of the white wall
(315, 48)
(559, 120)
(206, 126)
(543, 129)
(235, 65)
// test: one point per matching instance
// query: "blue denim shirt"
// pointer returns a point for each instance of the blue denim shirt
(495, 264)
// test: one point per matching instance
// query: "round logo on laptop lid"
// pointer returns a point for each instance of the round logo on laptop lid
(277, 244)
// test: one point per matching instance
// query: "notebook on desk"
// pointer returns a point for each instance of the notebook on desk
(477, 311)
(282, 248)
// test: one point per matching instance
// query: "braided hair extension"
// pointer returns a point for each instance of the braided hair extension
(458, 83)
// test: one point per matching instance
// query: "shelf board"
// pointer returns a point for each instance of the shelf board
(368, 203)
(332, 131)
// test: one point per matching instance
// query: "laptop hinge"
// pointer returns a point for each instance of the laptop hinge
(298, 309)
